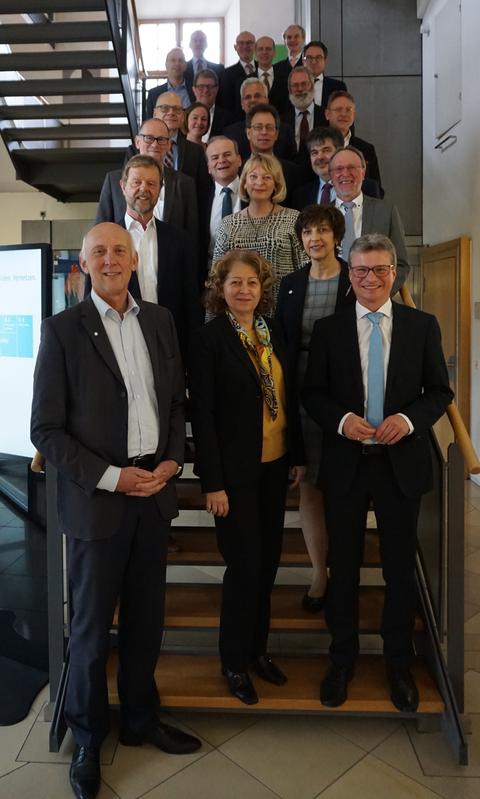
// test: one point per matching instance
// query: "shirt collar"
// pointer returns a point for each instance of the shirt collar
(347, 138)
(234, 185)
(357, 201)
(130, 222)
(309, 108)
(361, 311)
(176, 89)
(103, 307)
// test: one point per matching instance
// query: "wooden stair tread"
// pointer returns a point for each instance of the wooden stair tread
(195, 681)
(199, 547)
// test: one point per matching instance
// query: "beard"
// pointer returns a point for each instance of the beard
(303, 100)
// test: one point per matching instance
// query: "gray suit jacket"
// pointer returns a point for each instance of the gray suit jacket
(380, 216)
(80, 413)
(180, 208)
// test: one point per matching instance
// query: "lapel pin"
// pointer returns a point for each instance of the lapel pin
(95, 333)
(290, 291)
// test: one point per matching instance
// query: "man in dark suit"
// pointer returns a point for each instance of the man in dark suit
(176, 82)
(233, 76)
(365, 214)
(294, 40)
(321, 144)
(315, 55)
(177, 204)
(205, 89)
(302, 115)
(198, 45)
(107, 413)
(275, 84)
(254, 94)
(224, 163)
(340, 114)
(376, 382)
(165, 272)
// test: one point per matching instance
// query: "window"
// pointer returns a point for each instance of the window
(157, 37)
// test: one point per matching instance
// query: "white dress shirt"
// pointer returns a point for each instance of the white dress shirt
(131, 353)
(318, 89)
(357, 212)
(216, 212)
(146, 244)
(158, 210)
(364, 331)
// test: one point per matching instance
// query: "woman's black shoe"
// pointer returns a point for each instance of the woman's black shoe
(314, 604)
(241, 686)
(265, 668)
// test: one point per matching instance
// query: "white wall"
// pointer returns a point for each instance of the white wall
(232, 28)
(451, 195)
(256, 16)
(17, 206)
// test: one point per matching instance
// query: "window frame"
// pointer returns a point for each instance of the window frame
(178, 21)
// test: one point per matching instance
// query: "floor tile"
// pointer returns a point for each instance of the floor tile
(295, 756)
(371, 778)
(212, 777)
(435, 755)
(471, 610)
(472, 661)
(472, 588)
(472, 626)
(35, 748)
(216, 728)
(366, 733)
(399, 753)
(42, 781)
(11, 741)
(137, 769)
(472, 562)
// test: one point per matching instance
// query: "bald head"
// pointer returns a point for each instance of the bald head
(169, 110)
(109, 257)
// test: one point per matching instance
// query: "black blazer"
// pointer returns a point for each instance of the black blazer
(80, 413)
(284, 67)
(331, 85)
(284, 146)
(417, 385)
(229, 92)
(307, 193)
(370, 155)
(302, 156)
(189, 73)
(290, 302)
(221, 118)
(227, 407)
(180, 206)
(155, 93)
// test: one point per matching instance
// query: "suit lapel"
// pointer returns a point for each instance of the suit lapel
(163, 256)
(94, 326)
(238, 350)
(150, 336)
(181, 150)
(170, 184)
(367, 215)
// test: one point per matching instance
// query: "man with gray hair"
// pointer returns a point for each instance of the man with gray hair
(376, 382)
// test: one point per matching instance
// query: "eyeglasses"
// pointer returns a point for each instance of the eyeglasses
(164, 109)
(150, 139)
(245, 42)
(381, 270)
(205, 87)
(337, 170)
(258, 128)
(313, 58)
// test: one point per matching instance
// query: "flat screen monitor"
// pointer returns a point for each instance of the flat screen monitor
(25, 299)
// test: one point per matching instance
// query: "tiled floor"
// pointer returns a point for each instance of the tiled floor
(263, 757)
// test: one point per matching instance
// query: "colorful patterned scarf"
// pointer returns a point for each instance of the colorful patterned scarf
(263, 357)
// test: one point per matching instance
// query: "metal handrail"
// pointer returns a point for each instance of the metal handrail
(462, 437)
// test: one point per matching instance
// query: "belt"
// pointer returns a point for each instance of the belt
(143, 461)
(374, 449)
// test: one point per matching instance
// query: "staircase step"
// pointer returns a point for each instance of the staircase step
(59, 86)
(199, 548)
(76, 59)
(63, 111)
(67, 132)
(55, 32)
(195, 682)
(51, 6)
(191, 498)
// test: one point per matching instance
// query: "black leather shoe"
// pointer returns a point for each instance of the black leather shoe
(313, 604)
(265, 668)
(85, 772)
(333, 690)
(241, 686)
(167, 738)
(403, 690)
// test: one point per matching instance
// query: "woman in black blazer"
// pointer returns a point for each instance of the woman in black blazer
(308, 294)
(247, 435)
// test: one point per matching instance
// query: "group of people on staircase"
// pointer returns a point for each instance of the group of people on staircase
(268, 211)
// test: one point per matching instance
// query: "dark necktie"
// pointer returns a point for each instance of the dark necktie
(168, 158)
(326, 193)
(266, 81)
(375, 371)
(249, 69)
(304, 127)
(227, 207)
(201, 64)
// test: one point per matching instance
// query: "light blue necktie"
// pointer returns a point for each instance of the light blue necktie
(349, 236)
(375, 371)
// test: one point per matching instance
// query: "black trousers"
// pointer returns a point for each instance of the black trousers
(129, 566)
(346, 518)
(250, 540)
